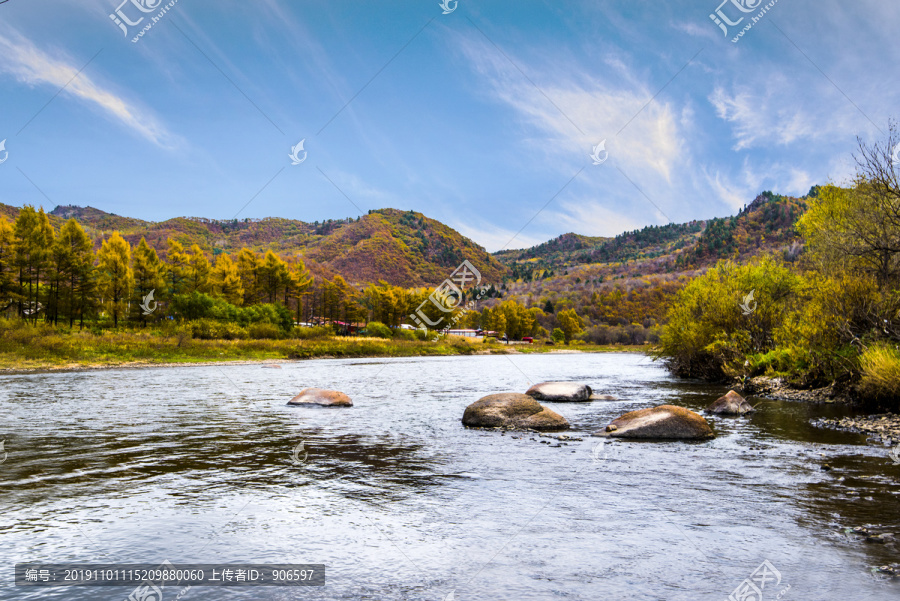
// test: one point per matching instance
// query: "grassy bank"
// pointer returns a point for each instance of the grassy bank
(26, 348)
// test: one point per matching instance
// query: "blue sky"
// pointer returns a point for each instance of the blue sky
(485, 119)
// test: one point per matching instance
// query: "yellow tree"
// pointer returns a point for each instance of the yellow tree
(33, 239)
(300, 281)
(227, 280)
(199, 272)
(8, 289)
(116, 279)
(273, 276)
(149, 281)
(570, 323)
(72, 272)
(177, 267)
(248, 265)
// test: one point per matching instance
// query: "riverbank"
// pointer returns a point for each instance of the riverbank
(84, 350)
(883, 427)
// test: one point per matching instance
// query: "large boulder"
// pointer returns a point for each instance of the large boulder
(560, 391)
(321, 398)
(663, 422)
(730, 404)
(513, 410)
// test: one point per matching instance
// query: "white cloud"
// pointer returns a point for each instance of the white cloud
(493, 237)
(20, 58)
(576, 111)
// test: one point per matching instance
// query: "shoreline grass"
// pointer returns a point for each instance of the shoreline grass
(37, 349)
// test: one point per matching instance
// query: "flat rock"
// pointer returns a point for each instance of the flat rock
(730, 404)
(560, 391)
(514, 410)
(322, 398)
(659, 423)
(603, 397)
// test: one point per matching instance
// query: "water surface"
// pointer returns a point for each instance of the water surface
(400, 501)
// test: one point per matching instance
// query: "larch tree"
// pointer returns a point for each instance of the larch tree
(199, 272)
(227, 280)
(116, 279)
(72, 272)
(149, 281)
(33, 240)
(177, 267)
(8, 288)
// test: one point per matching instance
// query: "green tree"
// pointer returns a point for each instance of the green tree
(149, 276)
(116, 280)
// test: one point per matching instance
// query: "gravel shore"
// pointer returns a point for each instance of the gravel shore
(884, 428)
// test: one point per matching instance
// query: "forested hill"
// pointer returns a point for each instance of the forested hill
(404, 248)
(766, 224)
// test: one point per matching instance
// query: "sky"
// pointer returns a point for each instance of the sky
(484, 118)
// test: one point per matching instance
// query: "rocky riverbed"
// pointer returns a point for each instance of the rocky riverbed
(884, 428)
(778, 389)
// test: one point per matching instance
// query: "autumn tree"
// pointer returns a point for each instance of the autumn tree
(227, 280)
(115, 276)
(8, 289)
(199, 272)
(570, 323)
(72, 268)
(149, 277)
(177, 267)
(33, 240)
(248, 265)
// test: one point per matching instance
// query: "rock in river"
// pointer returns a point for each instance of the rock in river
(730, 404)
(514, 410)
(560, 391)
(663, 422)
(321, 397)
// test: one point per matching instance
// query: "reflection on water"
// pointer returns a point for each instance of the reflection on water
(195, 464)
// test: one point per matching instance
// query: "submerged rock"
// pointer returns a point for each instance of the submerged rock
(663, 422)
(560, 391)
(730, 404)
(322, 398)
(511, 409)
(271, 366)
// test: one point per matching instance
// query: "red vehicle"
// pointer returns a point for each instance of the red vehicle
(528, 339)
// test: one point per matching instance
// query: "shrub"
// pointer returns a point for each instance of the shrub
(558, 335)
(404, 334)
(302, 333)
(267, 331)
(880, 365)
(378, 330)
(490, 339)
(210, 329)
(421, 334)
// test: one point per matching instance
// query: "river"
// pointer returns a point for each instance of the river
(202, 464)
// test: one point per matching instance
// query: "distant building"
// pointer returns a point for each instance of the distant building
(465, 333)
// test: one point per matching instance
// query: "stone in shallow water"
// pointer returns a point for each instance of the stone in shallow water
(321, 398)
(659, 423)
(560, 391)
(730, 404)
(511, 409)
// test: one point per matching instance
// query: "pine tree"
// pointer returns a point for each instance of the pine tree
(116, 279)
(149, 278)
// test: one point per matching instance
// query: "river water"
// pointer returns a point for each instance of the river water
(197, 464)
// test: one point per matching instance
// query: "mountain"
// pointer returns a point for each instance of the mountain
(766, 224)
(404, 248)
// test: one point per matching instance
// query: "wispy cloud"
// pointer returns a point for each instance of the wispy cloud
(20, 58)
